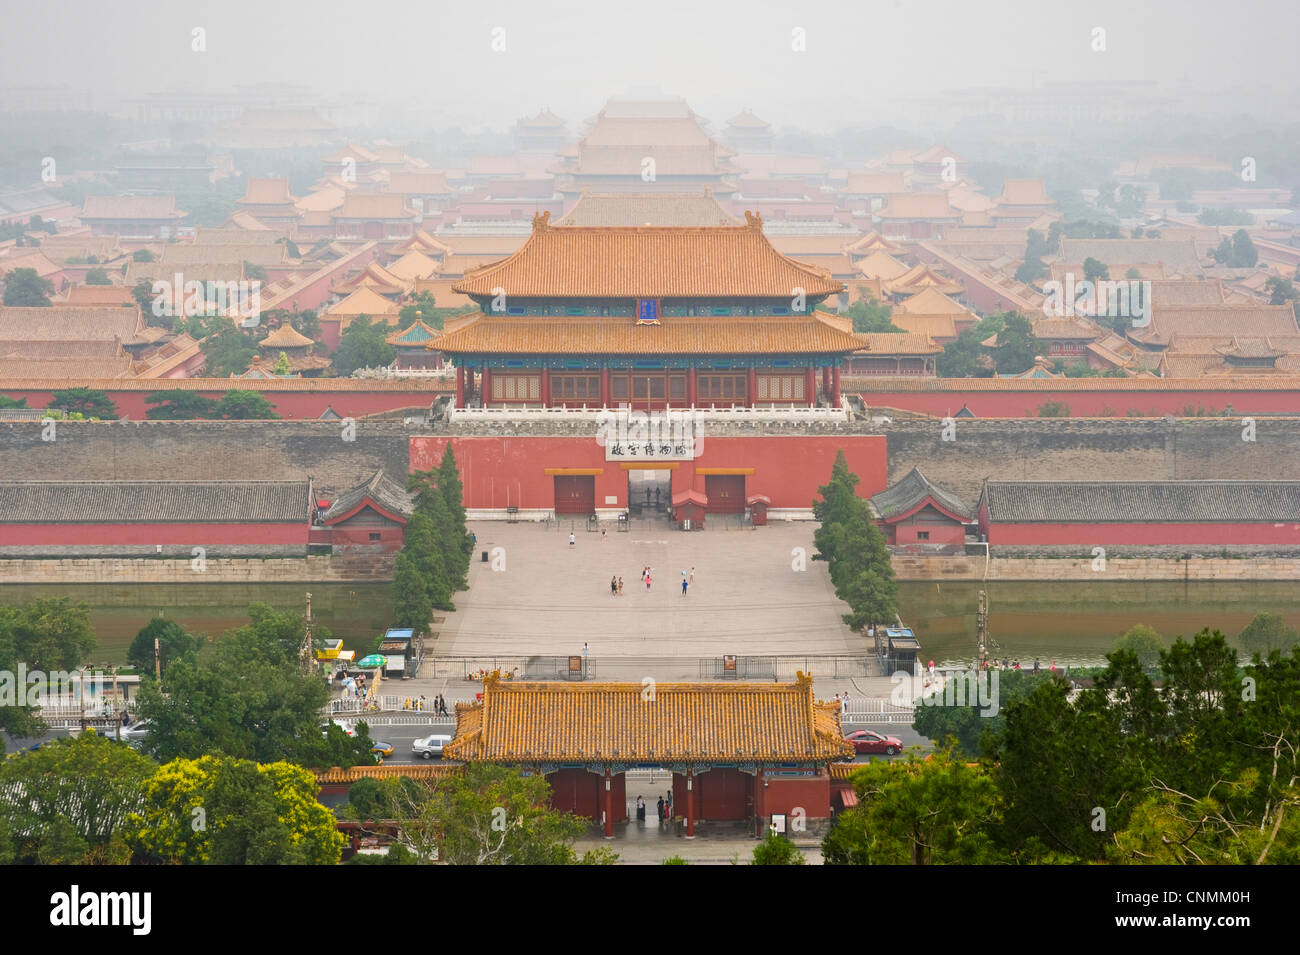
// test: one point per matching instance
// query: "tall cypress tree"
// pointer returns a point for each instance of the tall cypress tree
(855, 549)
(453, 496)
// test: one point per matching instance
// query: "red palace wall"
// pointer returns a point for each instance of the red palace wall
(784, 794)
(1113, 402)
(578, 791)
(190, 535)
(498, 472)
(1092, 535)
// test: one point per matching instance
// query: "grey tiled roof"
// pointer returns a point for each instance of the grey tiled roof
(183, 502)
(385, 492)
(1143, 502)
(914, 488)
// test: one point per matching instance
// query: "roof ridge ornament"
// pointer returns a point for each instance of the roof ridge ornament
(754, 220)
(542, 221)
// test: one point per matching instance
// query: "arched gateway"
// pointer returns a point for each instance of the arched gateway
(737, 751)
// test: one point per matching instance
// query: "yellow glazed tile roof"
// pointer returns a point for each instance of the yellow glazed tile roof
(616, 722)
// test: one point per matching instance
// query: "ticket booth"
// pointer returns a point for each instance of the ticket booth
(758, 505)
(689, 507)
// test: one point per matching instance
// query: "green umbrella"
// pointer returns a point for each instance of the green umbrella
(373, 661)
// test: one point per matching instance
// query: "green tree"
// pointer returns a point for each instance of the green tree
(7, 402)
(964, 356)
(967, 725)
(248, 697)
(282, 366)
(173, 644)
(142, 255)
(241, 404)
(254, 272)
(47, 634)
(75, 793)
(1143, 642)
(411, 604)
(228, 349)
(363, 345)
(23, 287)
(1053, 409)
(179, 406)
(1237, 252)
(869, 315)
(855, 550)
(931, 811)
(459, 539)
(97, 277)
(491, 815)
(1282, 292)
(776, 849)
(1266, 633)
(222, 811)
(90, 402)
(1016, 346)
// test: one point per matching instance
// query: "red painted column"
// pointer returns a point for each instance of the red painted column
(460, 387)
(752, 387)
(604, 388)
(546, 387)
(692, 391)
(810, 387)
(607, 805)
(760, 803)
(826, 380)
(487, 386)
(690, 804)
(835, 386)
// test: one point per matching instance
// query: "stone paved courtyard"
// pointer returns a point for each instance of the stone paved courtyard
(550, 598)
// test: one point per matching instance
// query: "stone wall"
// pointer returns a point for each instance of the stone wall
(1081, 569)
(206, 450)
(137, 571)
(1072, 449)
(1050, 449)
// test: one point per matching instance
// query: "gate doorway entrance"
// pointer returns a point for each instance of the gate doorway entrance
(649, 492)
(575, 494)
(726, 493)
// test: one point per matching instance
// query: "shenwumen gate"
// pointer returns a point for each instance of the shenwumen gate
(736, 751)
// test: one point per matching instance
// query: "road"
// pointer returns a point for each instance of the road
(401, 737)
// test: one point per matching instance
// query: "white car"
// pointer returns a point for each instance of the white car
(430, 746)
(345, 727)
(136, 732)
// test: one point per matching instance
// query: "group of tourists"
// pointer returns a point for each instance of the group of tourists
(437, 706)
(664, 805)
(647, 578)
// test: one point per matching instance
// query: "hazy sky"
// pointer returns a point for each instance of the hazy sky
(861, 56)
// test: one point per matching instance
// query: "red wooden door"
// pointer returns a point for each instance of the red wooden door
(575, 494)
(726, 493)
(724, 794)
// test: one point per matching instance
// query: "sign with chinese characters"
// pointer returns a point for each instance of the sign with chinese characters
(650, 436)
(647, 311)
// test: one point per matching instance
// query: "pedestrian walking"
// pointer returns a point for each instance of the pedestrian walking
(647, 583)
(683, 586)
(620, 586)
(931, 669)
(584, 651)
(602, 533)
(691, 578)
(1035, 664)
(640, 809)
(613, 586)
(572, 540)
(669, 807)
(661, 805)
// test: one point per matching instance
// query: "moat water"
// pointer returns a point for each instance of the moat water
(1072, 624)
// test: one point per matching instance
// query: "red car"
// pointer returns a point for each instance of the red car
(865, 741)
